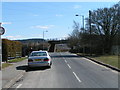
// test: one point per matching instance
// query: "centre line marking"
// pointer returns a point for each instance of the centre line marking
(69, 66)
(19, 85)
(77, 77)
(65, 61)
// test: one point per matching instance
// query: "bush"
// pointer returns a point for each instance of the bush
(11, 49)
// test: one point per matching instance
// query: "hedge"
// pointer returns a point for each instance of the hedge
(11, 49)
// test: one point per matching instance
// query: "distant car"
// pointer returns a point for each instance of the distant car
(39, 58)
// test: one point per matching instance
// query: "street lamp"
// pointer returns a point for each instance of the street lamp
(83, 29)
(82, 20)
(43, 37)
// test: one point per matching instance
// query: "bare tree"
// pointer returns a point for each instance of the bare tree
(74, 37)
(106, 23)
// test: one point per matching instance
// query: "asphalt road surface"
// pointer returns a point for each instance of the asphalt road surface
(69, 71)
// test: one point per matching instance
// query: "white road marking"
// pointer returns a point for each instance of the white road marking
(77, 77)
(74, 54)
(100, 65)
(69, 66)
(65, 61)
(11, 82)
(73, 72)
(115, 71)
(19, 86)
(21, 76)
(63, 58)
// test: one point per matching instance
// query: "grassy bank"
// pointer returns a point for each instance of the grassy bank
(108, 59)
(4, 65)
(17, 60)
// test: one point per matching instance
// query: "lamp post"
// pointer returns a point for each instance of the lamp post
(43, 37)
(82, 20)
(83, 29)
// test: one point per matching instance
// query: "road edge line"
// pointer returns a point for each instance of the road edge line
(101, 63)
(12, 81)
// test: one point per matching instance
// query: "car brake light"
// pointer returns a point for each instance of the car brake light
(46, 59)
(30, 60)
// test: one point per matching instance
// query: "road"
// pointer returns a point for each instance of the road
(69, 71)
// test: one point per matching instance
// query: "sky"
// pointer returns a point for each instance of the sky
(26, 20)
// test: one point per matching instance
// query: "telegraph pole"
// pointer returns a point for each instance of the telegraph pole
(90, 31)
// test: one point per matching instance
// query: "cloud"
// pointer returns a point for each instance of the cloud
(36, 36)
(58, 15)
(35, 15)
(6, 22)
(12, 37)
(65, 36)
(43, 27)
(76, 6)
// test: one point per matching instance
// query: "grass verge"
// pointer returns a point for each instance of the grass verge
(4, 65)
(17, 60)
(107, 59)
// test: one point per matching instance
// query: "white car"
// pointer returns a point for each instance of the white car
(39, 58)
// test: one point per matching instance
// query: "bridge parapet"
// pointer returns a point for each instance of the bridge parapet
(53, 42)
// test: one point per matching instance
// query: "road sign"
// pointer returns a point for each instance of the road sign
(2, 30)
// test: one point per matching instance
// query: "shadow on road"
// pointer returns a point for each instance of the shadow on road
(37, 69)
(24, 67)
(28, 69)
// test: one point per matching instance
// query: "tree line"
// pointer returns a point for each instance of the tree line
(34, 46)
(11, 49)
(20, 48)
(101, 32)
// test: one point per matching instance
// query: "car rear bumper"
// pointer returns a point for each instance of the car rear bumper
(34, 64)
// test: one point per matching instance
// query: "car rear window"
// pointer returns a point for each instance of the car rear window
(38, 54)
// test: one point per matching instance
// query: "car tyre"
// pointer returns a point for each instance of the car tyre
(28, 67)
(49, 66)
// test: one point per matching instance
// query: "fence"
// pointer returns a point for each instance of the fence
(115, 50)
